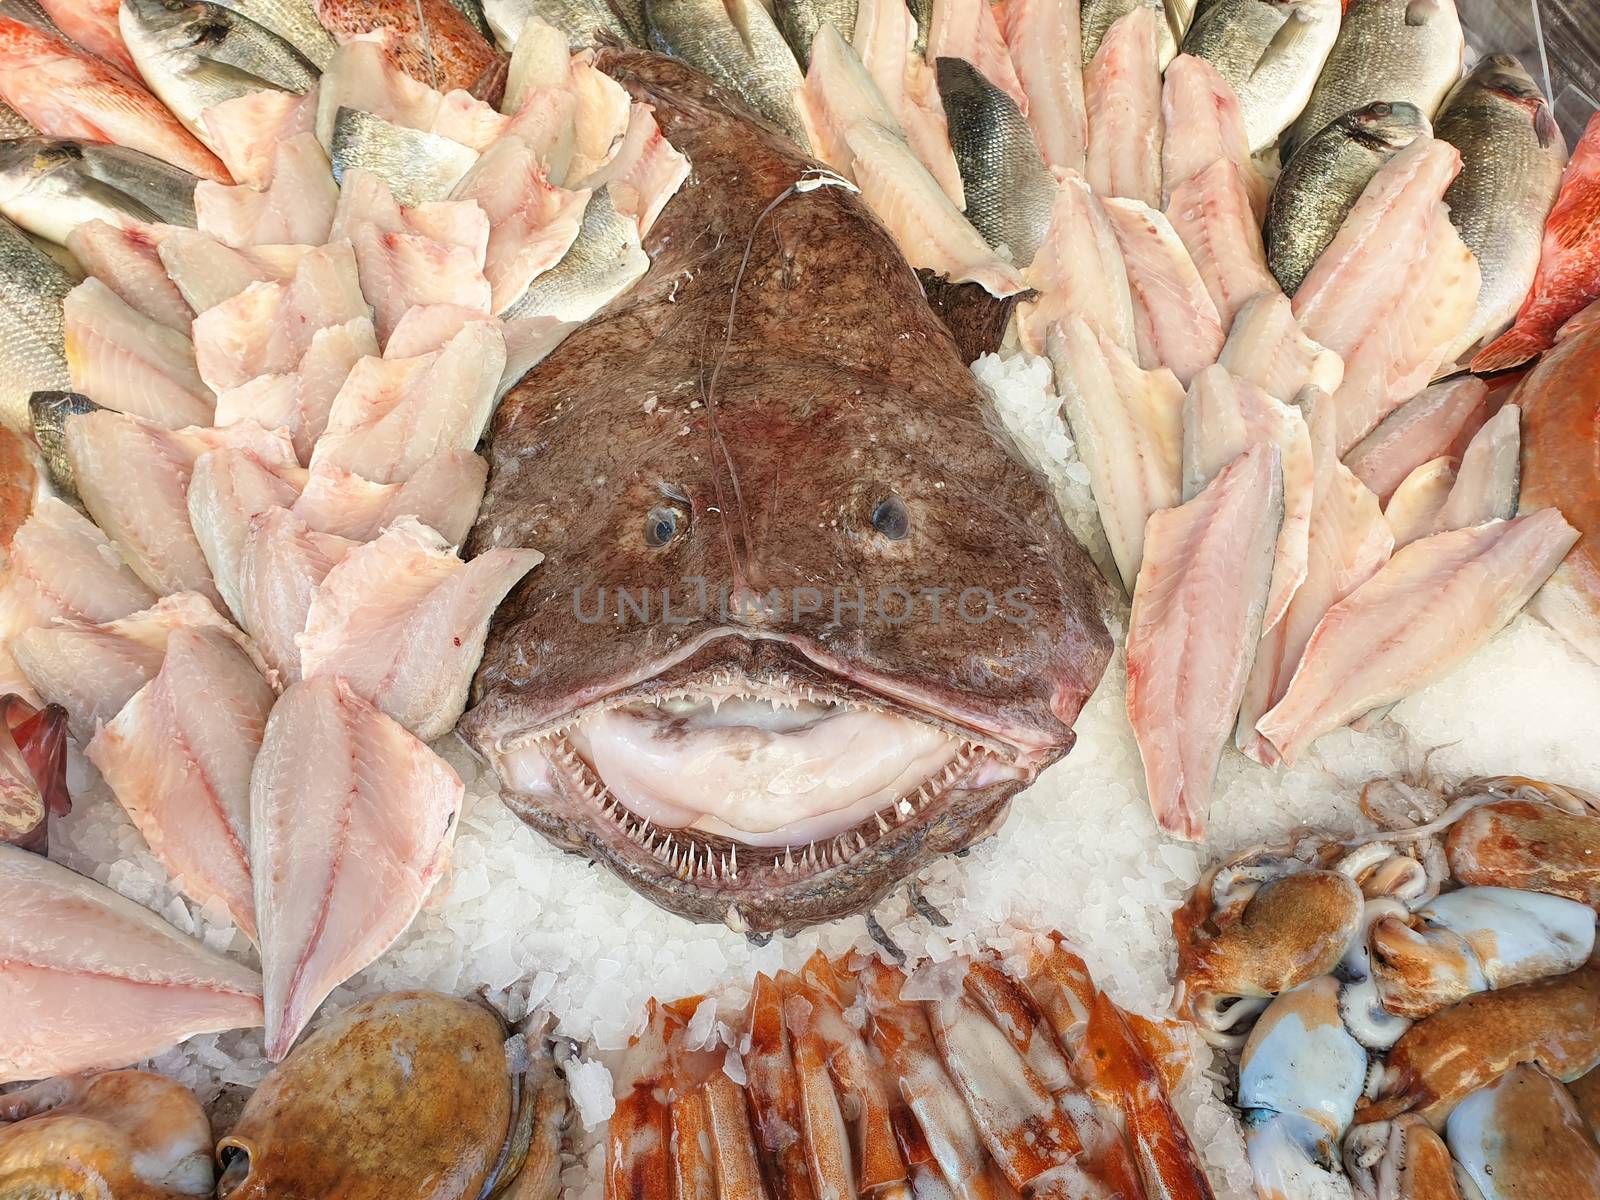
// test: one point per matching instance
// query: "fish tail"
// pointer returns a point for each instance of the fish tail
(1510, 349)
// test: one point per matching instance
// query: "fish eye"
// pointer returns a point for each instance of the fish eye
(891, 518)
(661, 525)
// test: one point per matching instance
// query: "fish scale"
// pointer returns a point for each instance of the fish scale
(32, 290)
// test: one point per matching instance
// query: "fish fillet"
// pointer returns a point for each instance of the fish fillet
(282, 563)
(1128, 426)
(1211, 212)
(393, 415)
(1222, 417)
(428, 327)
(1393, 289)
(1267, 347)
(1043, 39)
(1486, 481)
(1202, 123)
(360, 77)
(178, 757)
(1175, 321)
(600, 118)
(884, 39)
(1346, 544)
(836, 94)
(206, 272)
(296, 208)
(1437, 422)
(227, 488)
(1122, 94)
(1413, 511)
(350, 826)
(646, 171)
(443, 493)
(249, 132)
(1196, 620)
(89, 979)
(1430, 607)
(128, 261)
(402, 619)
(124, 360)
(966, 29)
(1077, 271)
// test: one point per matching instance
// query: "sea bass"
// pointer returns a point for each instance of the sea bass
(51, 186)
(845, 752)
(34, 357)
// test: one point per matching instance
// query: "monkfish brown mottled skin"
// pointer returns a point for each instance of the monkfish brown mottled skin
(822, 433)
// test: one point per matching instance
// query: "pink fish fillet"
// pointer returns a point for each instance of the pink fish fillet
(392, 415)
(1043, 39)
(360, 76)
(402, 619)
(124, 360)
(350, 825)
(282, 563)
(1223, 416)
(599, 121)
(1212, 215)
(546, 119)
(1430, 607)
(227, 488)
(1393, 289)
(206, 272)
(427, 328)
(1347, 543)
(178, 757)
(1175, 321)
(443, 494)
(836, 94)
(93, 670)
(1128, 427)
(89, 979)
(1122, 93)
(93, 25)
(646, 171)
(1193, 631)
(249, 132)
(1267, 347)
(133, 478)
(885, 36)
(1437, 422)
(295, 209)
(967, 29)
(1412, 512)
(128, 261)
(1077, 271)
(1486, 481)
(1202, 123)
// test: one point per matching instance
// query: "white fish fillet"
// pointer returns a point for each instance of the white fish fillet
(282, 562)
(1175, 321)
(1436, 423)
(392, 415)
(1077, 271)
(1430, 607)
(206, 272)
(929, 229)
(403, 620)
(360, 76)
(1487, 479)
(428, 327)
(1393, 289)
(1044, 41)
(599, 121)
(884, 39)
(178, 757)
(1122, 94)
(227, 488)
(351, 820)
(443, 493)
(122, 359)
(90, 980)
(296, 209)
(1413, 511)
(247, 131)
(1347, 543)
(1128, 427)
(1212, 215)
(1202, 123)
(528, 340)
(1267, 347)
(538, 61)
(1223, 416)
(646, 172)
(1193, 631)
(836, 94)
(128, 261)
(967, 29)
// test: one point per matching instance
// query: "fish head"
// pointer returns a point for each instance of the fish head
(172, 27)
(1388, 125)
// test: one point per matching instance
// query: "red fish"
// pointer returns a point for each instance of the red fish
(1569, 263)
(427, 39)
(93, 25)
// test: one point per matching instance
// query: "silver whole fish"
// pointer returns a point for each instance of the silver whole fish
(800, 19)
(295, 21)
(1270, 52)
(739, 46)
(580, 20)
(51, 186)
(417, 166)
(48, 412)
(1325, 178)
(1097, 16)
(605, 261)
(1512, 155)
(1391, 50)
(1008, 188)
(33, 355)
(196, 54)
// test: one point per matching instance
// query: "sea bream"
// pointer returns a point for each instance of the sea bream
(763, 456)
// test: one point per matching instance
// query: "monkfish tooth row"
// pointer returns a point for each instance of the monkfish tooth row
(969, 1077)
(1410, 1006)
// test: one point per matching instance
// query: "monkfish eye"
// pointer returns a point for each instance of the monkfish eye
(891, 518)
(661, 525)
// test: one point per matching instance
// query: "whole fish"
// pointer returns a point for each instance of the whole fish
(33, 354)
(580, 20)
(472, 10)
(295, 21)
(196, 54)
(1008, 188)
(1569, 263)
(50, 187)
(922, 13)
(1174, 16)
(417, 166)
(1270, 54)
(800, 19)
(427, 39)
(1512, 155)
(737, 44)
(93, 25)
(1391, 50)
(750, 250)
(1325, 179)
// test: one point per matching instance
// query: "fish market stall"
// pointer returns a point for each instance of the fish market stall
(844, 597)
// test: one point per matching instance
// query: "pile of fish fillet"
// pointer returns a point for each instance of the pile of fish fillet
(247, 596)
